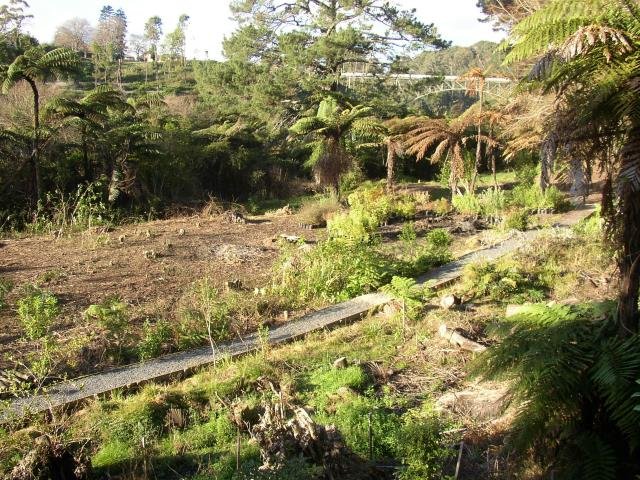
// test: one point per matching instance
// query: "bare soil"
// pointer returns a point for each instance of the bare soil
(149, 266)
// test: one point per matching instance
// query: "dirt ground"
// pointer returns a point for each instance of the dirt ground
(149, 266)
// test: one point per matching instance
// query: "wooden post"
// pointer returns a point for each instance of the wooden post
(237, 449)
(370, 438)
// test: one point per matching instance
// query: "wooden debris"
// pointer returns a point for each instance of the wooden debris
(449, 301)
(51, 459)
(177, 418)
(286, 210)
(234, 216)
(233, 285)
(456, 339)
(291, 238)
(149, 254)
(280, 439)
(341, 362)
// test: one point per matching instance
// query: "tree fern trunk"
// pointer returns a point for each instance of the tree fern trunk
(391, 160)
(629, 234)
(35, 152)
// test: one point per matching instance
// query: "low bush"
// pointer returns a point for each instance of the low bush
(318, 211)
(370, 207)
(354, 227)
(155, 339)
(84, 208)
(332, 271)
(439, 238)
(5, 287)
(111, 315)
(517, 220)
(37, 311)
(441, 207)
(493, 202)
(467, 204)
(533, 198)
(422, 448)
(502, 282)
(206, 316)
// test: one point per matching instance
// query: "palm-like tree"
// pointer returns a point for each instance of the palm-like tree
(90, 115)
(444, 140)
(33, 66)
(475, 81)
(394, 142)
(329, 130)
(589, 52)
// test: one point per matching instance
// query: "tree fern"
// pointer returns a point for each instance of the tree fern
(572, 383)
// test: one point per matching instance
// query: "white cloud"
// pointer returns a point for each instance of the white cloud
(456, 20)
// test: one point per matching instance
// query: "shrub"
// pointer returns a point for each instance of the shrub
(572, 378)
(37, 311)
(517, 220)
(407, 291)
(154, 338)
(332, 271)
(533, 198)
(408, 233)
(441, 207)
(354, 227)
(111, 315)
(5, 288)
(372, 201)
(82, 209)
(207, 317)
(439, 237)
(318, 211)
(526, 174)
(405, 207)
(493, 201)
(421, 446)
(467, 204)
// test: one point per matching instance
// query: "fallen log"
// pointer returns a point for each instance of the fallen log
(462, 342)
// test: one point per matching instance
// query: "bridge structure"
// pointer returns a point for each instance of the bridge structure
(433, 84)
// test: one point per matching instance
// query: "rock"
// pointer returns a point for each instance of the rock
(121, 238)
(181, 232)
(341, 362)
(449, 301)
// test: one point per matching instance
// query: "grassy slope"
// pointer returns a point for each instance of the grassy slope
(395, 375)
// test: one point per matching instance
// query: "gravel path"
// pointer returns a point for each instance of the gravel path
(73, 391)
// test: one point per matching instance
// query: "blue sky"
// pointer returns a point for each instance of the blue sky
(457, 20)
